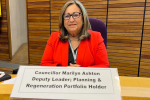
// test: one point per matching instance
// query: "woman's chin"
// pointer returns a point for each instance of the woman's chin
(72, 30)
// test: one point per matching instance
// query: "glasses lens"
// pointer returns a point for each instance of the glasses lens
(66, 16)
(76, 15)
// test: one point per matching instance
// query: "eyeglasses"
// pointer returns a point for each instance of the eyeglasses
(74, 15)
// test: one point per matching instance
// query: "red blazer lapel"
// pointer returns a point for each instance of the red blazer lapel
(65, 50)
(81, 51)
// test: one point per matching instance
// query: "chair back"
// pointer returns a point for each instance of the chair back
(99, 26)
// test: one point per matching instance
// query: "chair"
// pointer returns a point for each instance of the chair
(99, 26)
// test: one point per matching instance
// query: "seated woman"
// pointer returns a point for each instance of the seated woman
(75, 45)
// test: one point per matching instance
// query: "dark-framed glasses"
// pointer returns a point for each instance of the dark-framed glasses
(74, 15)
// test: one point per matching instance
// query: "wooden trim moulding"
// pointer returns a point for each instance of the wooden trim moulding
(27, 31)
(9, 28)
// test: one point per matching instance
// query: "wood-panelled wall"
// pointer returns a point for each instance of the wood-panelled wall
(38, 14)
(124, 20)
(145, 54)
(4, 32)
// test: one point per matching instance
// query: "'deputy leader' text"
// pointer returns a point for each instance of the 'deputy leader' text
(64, 79)
(61, 77)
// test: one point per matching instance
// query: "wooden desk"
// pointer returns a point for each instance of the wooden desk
(132, 88)
(135, 88)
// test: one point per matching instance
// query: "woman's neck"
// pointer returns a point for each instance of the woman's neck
(75, 38)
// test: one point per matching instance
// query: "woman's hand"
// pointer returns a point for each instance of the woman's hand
(74, 65)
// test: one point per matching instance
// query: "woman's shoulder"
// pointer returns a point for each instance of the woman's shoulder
(95, 34)
(54, 36)
(55, 33)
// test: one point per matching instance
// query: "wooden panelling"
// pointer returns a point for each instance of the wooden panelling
(124, 27)
(145, 54)
(4, 40)
(125, 20)
(38, 16)
(96, 9)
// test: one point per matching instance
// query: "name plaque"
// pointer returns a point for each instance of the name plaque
(73, 83)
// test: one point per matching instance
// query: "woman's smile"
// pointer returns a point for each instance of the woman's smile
(72, 24)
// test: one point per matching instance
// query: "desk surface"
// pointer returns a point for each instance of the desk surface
(132, 88)
(135, 88)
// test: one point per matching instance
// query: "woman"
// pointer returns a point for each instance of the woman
(75, 45)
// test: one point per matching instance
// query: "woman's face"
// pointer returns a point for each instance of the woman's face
(73, 26)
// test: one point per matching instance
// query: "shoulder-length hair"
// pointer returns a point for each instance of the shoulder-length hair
(84, 34)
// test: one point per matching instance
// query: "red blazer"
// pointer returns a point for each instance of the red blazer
(91, 52)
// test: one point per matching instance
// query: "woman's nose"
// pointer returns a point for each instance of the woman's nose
(71, 19)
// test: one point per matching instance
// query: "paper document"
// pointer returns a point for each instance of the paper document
(10, 81)
(2, 74)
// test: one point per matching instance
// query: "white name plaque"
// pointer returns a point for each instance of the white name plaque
(73, 83)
